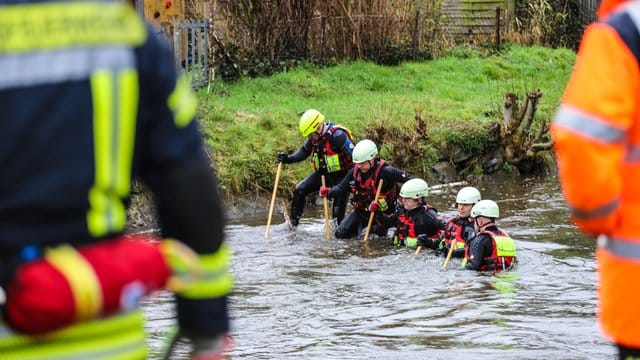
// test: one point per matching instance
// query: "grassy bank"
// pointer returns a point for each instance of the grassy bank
(247, 122)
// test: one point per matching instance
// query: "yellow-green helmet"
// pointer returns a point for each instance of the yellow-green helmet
(310, 121)
(414, 189)
(486, 208)
(363, 151)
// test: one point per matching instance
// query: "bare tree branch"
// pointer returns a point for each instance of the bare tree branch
(542, 146)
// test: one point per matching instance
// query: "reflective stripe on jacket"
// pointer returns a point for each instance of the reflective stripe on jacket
(597, 140)
(120, 336)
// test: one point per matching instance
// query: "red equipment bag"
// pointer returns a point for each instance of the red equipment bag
(69, 285)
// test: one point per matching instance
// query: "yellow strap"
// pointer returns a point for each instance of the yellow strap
(83, 281)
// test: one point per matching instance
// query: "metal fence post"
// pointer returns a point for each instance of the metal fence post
(177, 45)
(497, 28)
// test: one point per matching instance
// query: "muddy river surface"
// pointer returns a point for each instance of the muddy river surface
(299, 296)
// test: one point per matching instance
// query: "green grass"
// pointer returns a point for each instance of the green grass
(245, 123)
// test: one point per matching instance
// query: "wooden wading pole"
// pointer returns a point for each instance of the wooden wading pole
(327, 228)
(371, 216)
(273, 200)
(446, 261)
(418, 250)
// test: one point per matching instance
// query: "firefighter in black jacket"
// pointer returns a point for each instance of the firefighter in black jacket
(90, 100)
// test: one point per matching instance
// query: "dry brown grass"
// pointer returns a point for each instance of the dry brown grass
(331, 29)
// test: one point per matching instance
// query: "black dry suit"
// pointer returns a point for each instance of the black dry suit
(411, 225)
(363, 187)
(332, 158)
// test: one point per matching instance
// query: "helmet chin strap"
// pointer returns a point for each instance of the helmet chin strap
(478, 226)
(322, 129)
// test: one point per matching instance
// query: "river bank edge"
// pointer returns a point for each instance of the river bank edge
(255, 206)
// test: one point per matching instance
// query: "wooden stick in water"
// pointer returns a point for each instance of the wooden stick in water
(371, 216)
(446, 261)
(273, 200)
(327, 228)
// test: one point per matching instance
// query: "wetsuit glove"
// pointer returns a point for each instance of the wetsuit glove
(422, 240)
(374, 206)
(450, 232)
(203, 347)
(282, 157)
(324, 191)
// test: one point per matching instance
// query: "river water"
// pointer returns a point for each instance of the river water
(299, 296)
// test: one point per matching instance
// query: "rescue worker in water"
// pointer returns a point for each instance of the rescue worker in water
(362, 182)
(415, 220)
(460, 228)
(330, 145)
(491, 249)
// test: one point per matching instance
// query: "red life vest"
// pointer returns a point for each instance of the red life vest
(503, 252)
(325, 159)
(405, 228)
(364, 191)
(454, 229)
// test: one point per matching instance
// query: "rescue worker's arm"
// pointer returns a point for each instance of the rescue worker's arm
(477, 251)
(428, 225)
(388, 220)
(590, 129)
(391, 176)
(468, 232)
(340, 142)
(171, 159)
(190, 210)
(302, 153)
(342, 187)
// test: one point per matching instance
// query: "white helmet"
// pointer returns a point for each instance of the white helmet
(486, 208)
(414, 189)
(363, 151)
(468, 195)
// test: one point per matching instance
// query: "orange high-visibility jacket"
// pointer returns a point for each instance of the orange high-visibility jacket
(597, 142)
